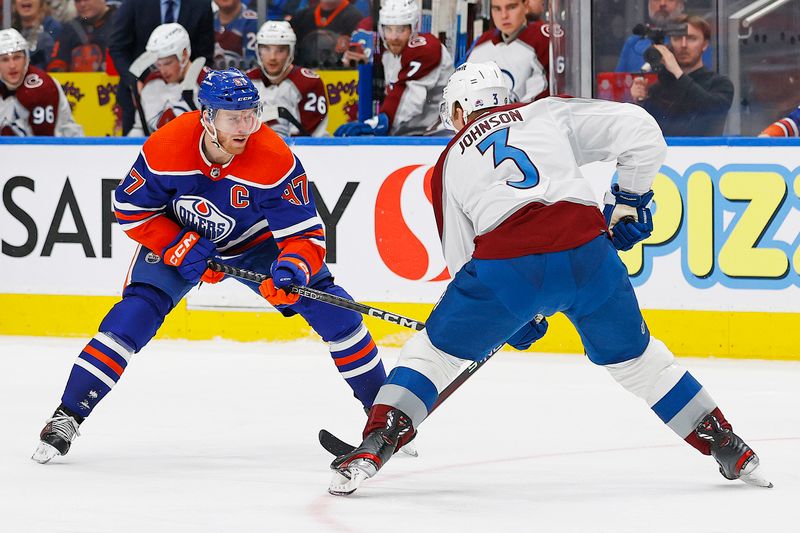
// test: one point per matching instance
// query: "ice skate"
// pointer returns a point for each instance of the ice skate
(56, 437)
(351, 469)
(735, 458)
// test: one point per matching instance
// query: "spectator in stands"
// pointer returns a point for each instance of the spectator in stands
(62, 10)
(687, 99)
(294, 97)
(661, 13)
(235, 29)
(31, 102)
(83, 42)
(535, 10)
(521, 49)
(32, 19)
(132, 25)
(164, 94)
(323, 32)
(788, 126)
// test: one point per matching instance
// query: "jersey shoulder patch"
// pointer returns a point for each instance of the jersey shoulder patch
(37, 89)
(308, 73)
(306, 80)
(249, 14)
(425, 49)
(536, 34)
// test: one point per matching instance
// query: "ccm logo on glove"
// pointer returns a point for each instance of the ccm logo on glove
(176, 254)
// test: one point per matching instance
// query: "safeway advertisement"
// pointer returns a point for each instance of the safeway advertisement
(727, 225)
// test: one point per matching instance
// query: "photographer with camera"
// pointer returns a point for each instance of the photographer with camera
(662, 15)
(687, 99)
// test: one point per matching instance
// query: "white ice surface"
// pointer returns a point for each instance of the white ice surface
(221, 437)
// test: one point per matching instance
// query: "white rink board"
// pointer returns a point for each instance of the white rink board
(387, 246)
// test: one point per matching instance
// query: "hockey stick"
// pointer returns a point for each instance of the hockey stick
(189, 83)
(321, 296)
(139, 65)
(328, 440)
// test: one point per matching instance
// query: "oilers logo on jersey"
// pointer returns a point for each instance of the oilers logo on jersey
(204, 217)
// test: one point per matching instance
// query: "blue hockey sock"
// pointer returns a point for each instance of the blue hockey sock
(356, 357)
(125, 330)
(97, 369)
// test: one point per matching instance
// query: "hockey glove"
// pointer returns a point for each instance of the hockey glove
(377, 125)
(628, 217)
(189, 253)
(286, 271)
(528, 334)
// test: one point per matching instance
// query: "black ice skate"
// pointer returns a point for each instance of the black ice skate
(57, 436)
(365, 461)
(735, 458)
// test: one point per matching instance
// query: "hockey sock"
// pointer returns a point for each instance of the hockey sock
(422, 372)
(126, 329)
(97, 369)
(673, 394)
(356, 357)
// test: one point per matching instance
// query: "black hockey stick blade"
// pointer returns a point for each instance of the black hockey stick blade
(333, 444)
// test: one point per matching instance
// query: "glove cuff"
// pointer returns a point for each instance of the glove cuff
(629, 198)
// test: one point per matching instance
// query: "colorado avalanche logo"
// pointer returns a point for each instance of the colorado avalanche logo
(33, 81)
(204, 217)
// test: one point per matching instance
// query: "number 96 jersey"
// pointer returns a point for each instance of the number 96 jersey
(302, 94)
(509, 184)
(37, 107)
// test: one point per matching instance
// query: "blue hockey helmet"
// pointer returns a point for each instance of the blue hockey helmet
(227, 89)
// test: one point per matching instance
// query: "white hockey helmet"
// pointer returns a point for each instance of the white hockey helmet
(170, 40)
(474, 86)
(278, 32)
(399, 13)
(12, 41)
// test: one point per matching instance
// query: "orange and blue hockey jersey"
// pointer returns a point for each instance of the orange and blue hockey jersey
(260, 194)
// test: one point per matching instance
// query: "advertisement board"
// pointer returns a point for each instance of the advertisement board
(726, 239)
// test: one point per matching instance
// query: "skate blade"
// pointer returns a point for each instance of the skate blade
(410, 449)
(44, 452)
(345, 482)
(755, 477)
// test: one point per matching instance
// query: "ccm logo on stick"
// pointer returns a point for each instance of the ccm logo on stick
(389, 317)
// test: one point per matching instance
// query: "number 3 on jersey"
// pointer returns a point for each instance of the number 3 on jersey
(503, 151)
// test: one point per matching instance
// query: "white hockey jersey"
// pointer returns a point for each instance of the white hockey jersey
(302, 94)
(162, 102)
(509, 184)
(414, 83)
(525, 59)
(38, 107)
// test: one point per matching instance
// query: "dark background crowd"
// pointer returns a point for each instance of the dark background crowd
(669, 64)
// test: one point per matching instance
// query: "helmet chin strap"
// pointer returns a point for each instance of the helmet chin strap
(211, 130)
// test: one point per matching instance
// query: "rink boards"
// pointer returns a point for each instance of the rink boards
(719, 276)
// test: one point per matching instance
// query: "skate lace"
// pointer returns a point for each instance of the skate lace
(64, 426)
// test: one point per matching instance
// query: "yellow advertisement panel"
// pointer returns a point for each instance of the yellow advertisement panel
(341, 87)
(93, 98)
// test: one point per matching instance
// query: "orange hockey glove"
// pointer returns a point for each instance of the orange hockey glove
(276, 296)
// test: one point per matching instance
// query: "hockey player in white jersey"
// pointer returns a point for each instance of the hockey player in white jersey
(294, 97)
(520, 48)
(171, 89)
(31, 102)
(415, 66)
(522, 233)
